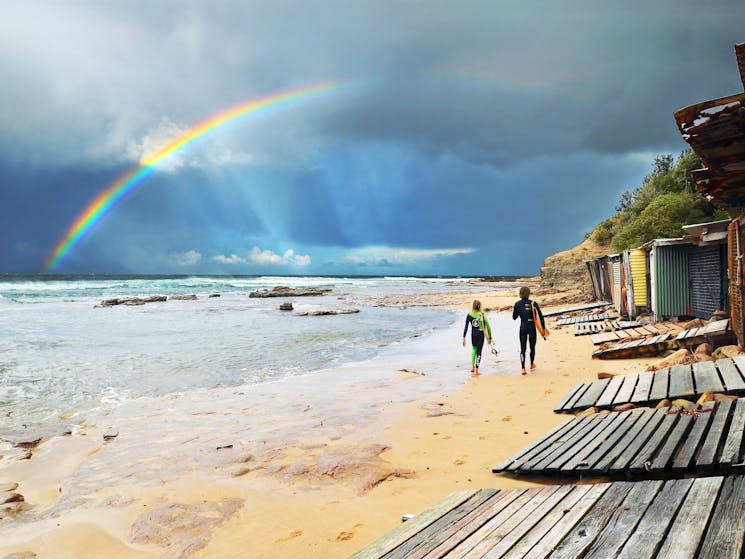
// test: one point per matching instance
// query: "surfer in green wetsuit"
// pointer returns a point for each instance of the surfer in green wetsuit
(479, 323)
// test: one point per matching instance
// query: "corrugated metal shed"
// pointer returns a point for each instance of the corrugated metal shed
(671, 294)
(708, 273)
(638, 260)
(616, 268)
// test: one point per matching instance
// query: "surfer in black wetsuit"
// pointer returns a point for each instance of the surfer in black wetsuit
(527, 310)
(479, 325)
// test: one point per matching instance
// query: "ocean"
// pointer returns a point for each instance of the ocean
(62, 358)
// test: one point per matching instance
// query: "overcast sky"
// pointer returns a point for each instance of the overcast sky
(474, 137)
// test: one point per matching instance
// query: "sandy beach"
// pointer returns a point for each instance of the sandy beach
(319, 472)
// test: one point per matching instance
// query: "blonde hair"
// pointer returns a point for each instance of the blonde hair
(524, 292)
(476, 305)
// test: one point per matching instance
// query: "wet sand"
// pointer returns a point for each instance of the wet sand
(320, 468)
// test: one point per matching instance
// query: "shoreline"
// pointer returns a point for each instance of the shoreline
(328, 486)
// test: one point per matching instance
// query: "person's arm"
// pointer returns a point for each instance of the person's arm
(465, 329)
(515, 312)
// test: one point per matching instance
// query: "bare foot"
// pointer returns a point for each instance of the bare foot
(532, 366)
(475, 373)
(524, 372)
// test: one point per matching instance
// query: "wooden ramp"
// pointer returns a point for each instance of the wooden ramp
(716, 332)
(642, 347)
(642, 442)
(685, 518)
(586, 318)
(585, 328)
(726, 376)
(634, 333)
(587, 307)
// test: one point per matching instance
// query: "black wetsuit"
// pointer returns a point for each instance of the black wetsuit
(524, 310)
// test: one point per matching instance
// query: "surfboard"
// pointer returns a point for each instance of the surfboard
(538, 326)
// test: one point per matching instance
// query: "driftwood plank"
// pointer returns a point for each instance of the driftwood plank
(643, 387)
(706, 377)
(733, 442)
(626, 390)
(685, 534)
(624, 519)
(437, 531)
(619, 450)
(578, 540)
(611, 389)
(681, 382)
(507, 535)
(649, 534)
(724, 538)
(733, 381)
(555, 433)
(659, 385)
(707, 456)
(644, 458)
(592, 394)
(677, 437)
(408, 529)
(683, 460)
(628, 454)
(568, 519)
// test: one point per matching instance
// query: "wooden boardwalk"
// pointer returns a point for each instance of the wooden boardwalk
(643, 442)
(634, 333)
(649, 345)
(682, 381)
(585, 328)
(675, 519)
(716, 332)
(586, 318)
(587, 307)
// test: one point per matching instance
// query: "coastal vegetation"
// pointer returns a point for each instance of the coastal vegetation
(666, 200)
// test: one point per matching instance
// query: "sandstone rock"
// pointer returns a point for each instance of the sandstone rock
(21, 555)
(606, 375)
(183, 297)
(328, 312)
(624, 407)
(704, 349)
(10, 497)
(695, 323)
(131, 301)
(284, 291)
(286, 307)
(213, 295)
(680, 357)
(722, 397)
(8, 487)
(697, 358)
(110, 434)
(588, 411)
(663, 404)
(707, 396)
(727, 351)
(681, 403)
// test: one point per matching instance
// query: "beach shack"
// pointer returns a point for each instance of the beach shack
(636, 268)
(668, 277)
(715, 130)
(707, 264)
(601, 277)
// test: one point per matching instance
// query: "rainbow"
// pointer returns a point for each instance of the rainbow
(105, 201)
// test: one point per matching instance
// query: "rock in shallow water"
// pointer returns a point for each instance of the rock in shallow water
(284, 291)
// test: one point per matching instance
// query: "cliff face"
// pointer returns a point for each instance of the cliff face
(566, 272)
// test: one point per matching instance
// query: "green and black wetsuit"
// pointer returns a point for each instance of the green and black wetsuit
(524, 310)
(478, 322)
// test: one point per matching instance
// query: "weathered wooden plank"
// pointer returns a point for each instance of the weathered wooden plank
(733, 443)
(649, 534)
(624, 519)
(509, 533)
(627, 422)
(576, 309)
(706, 377)
(592, 394)
(619, 451)
(630, 452)
(547, 439)
(685, 534)
(579, 459)
(452, 535)
(603, 337)
(549, 445)
(733, 380)
(683, 460)
(677, 438)
(645, 456)
(643, 387)
(563, 519)
(573, 392)
(572, 402)
(432, 534)
(391, 540)
(586, 531)
(466, 546)
(558, 459)
(707, 456)
(681, 382)
(659, 385)
(626, 390)
(611, 389)
(724, 538)
(739, 361)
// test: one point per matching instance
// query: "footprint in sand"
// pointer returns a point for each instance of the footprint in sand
(459, 462)
(549, 391)
(507, 418)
